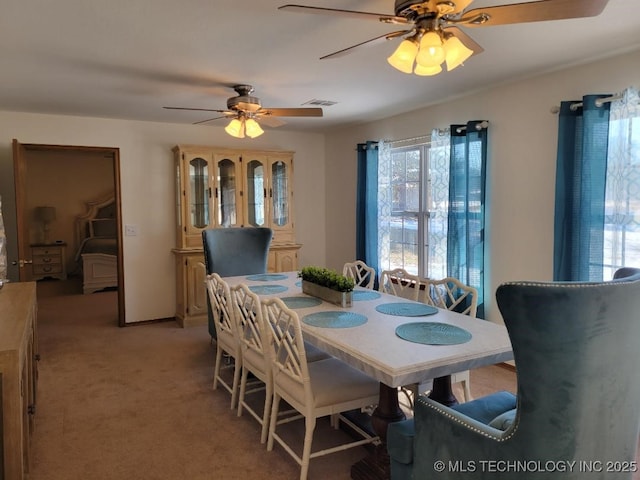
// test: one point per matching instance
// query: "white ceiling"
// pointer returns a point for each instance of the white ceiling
(127, 59)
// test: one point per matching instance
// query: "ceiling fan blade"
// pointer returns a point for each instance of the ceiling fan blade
(382, 17)
(469, 42)
(290, 112)
(272, 122)
(210, 120)
(368, 43)
(198, 109)
(540, 11)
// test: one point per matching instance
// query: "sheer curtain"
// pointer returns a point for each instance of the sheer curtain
(384, 204)
(583, 132)
(439, 157)
(622, 189)
(466, 218)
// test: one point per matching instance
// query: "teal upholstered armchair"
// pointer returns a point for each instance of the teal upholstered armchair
(577, 410)
(235, 251)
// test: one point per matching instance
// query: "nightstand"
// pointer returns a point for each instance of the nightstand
(48, 261)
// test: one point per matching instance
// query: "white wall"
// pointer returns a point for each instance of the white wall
(521, 165)
(147, 186)
(521, 176)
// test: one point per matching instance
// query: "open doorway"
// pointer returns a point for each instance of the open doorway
(68, 200)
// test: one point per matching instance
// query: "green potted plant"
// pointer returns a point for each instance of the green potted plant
(327, 285)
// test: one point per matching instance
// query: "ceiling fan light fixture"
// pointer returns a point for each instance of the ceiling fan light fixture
(427, 71)
(456, 52)
(404, 56)
(431, 50)
(236, 128)
(252, 128)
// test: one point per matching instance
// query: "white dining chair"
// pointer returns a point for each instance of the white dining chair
(322, 388)
(362, 274)
(227, 341)
(400, 283)
(451, 294)
(251, 330)
(250, 327)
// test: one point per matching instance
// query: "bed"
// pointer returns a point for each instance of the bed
(97, 245)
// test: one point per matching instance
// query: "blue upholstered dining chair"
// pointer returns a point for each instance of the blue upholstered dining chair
(578, 371)
(235, 251)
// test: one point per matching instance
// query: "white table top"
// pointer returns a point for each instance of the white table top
(375, 349)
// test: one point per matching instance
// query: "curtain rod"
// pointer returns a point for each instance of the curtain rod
(412, 139)
(599, 102)
(441, 131)
(479, 126)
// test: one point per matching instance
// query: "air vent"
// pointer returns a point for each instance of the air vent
(320, 103)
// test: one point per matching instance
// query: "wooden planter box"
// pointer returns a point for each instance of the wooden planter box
(342, 299)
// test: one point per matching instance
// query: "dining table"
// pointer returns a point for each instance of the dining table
(394, 340)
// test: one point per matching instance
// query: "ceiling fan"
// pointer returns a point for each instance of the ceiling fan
(433, 36)
(245, 111)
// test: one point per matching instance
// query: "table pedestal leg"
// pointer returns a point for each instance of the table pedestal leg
(376, 465)
(441, 391)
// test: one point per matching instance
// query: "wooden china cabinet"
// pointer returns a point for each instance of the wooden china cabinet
(221, 188)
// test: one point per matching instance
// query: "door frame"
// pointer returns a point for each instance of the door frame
(20, 175)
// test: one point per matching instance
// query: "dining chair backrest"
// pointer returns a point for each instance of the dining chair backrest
(223, 320)
(236, 251)
(222, 308)
(363, 274)
(451, 294)
(250, 325)
(400, 283)
(625, 272)
(287, 351)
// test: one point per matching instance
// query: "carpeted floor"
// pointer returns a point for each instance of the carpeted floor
(137, 403)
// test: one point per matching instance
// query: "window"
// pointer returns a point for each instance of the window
(413, 200)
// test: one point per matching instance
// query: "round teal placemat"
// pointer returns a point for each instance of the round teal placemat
(406, 309)
(335, 319)
(299, 283)
(301, 302)
(265, 277)
(433, 333)
(267, 289)
(365, 295)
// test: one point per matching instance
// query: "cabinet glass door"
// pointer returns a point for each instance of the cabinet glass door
(279, 194)
(199, 192)
(227, 189)
(255, 193)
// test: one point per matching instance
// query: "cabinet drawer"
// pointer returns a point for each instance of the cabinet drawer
(39, 269)
(46, 251)
(47, 259)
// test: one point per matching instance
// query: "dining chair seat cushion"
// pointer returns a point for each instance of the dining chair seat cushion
(333, 382)
(504, 421)
(257, 364)
(487, 408)
(400, 435)
(400, 440)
